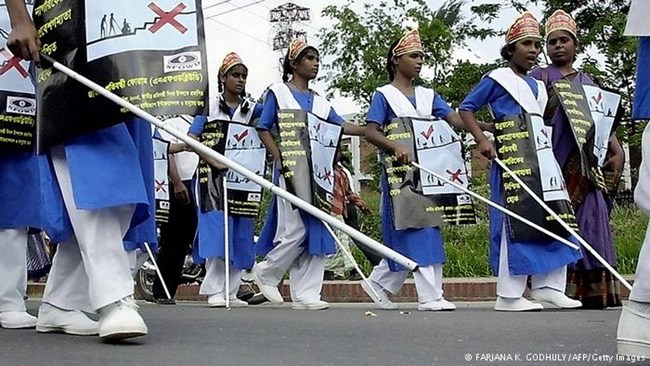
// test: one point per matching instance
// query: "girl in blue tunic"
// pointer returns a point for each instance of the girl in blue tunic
(231, 105)
(509, 92)
(102, 187)
(398, 99)
(290, 238)
(589, 281)
(21, 207)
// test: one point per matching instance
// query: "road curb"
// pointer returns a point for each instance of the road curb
(455, 289)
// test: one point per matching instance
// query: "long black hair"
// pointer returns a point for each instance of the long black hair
(390, 66)
(286, 64)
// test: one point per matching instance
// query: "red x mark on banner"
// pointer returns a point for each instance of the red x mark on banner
(455, 176)
(12, 62)
(327, 176)
(160, 185)
(167, 17)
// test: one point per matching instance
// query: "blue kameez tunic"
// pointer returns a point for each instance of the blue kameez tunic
(210, 229)
(425, 245)
(319, 241)
(524, 258)
(111, 167)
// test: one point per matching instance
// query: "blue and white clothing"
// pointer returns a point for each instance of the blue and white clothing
(280, 96)
(425, 245)
(529, 257)
(210, 235)
(25, 186)
(109, 168)
(145, 231)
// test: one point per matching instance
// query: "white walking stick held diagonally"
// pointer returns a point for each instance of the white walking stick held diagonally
(349, 255)
(566, 226)
(226, 241)
(500, 208)
(208, 152)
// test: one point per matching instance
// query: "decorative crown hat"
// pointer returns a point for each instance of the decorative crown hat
(231, 59)
(410, 41)
(561, 20)
(523, 27)
(297, 45)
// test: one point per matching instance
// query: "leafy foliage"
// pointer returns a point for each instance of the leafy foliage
(359, 42)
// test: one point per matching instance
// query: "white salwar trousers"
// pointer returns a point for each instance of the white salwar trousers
(91, 269)
(13, 269)
(305, 270)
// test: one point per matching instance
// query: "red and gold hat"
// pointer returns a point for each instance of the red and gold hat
(231, 59)
(297, 45)
(561, 20)
(410, 41)
(523, 27)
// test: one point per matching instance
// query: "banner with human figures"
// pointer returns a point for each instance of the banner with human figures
(420, 199)
(162, 186)
(591, 112)
(17, 100)
(308, 146)
(238, 142)
(149, 52)
(525, 145)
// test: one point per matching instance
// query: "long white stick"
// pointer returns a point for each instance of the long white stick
(155, 266)
(206, 151)
(351, 258)
(566, 226)
(499, 207)
(226, 235)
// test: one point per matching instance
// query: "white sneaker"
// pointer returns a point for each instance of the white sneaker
(518, 304)
(437, 305)
(236, 303)
(121, 320)
(633, 335)
(270, 292)
(17, 320)
(53, 319)
(382, 301)
(316, 305)
(216, 301)
(555, 297)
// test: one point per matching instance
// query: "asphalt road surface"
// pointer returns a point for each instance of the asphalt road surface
(192, 334)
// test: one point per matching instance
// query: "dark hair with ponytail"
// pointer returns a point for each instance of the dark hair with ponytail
(286, 64)
(507, 51)
(390, 66)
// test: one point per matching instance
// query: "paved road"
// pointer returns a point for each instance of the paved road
(191, 334)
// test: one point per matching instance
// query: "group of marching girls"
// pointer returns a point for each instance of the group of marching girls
(99, 202)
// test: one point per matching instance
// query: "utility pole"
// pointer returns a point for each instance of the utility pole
(283, 19)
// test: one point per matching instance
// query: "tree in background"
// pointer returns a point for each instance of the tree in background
(358, 43)
(601, 24)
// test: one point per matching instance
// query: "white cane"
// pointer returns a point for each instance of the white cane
(566, 226)
(226, 237)
(351, 258)
(206, 151)
(155, 266)
(499, 207)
